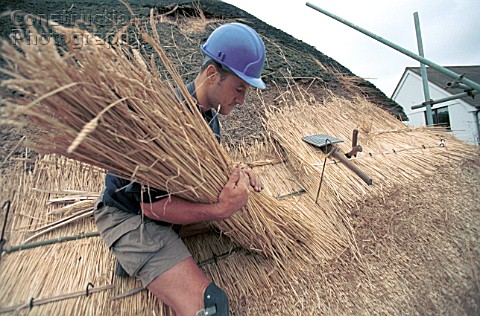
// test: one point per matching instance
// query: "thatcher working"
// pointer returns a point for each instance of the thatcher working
(150, 248)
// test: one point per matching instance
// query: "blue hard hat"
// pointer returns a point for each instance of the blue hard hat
(240, 49)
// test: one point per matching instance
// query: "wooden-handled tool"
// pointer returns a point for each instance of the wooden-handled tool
(355, 147)
(336, 154)
(327, 145)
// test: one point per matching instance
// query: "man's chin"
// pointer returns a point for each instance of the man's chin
(225, 110)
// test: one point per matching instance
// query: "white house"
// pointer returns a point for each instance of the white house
(460, 115)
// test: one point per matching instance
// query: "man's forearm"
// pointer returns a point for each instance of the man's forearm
(179, 211)
(175, 210)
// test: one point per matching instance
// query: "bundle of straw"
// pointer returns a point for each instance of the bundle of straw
(106, 106)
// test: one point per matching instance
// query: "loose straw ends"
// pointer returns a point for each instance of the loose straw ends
(90, 127)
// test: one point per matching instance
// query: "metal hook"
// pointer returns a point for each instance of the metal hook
(7, 203)
(88, 286)
(329, 142)
(215, 257)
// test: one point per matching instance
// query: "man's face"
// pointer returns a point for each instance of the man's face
(227, 93)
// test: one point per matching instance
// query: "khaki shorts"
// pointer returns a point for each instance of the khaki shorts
(144, 248)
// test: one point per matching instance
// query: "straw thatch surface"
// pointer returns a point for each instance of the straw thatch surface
(416, 252)
(392, 153)
(405, 248)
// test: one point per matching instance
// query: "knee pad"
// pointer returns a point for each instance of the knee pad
(216, 297)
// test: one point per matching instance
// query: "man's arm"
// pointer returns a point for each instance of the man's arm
(175, 210)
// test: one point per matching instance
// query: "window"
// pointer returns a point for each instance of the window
(440, 117)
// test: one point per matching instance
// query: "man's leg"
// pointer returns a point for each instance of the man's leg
(156, 255)
(182, 287)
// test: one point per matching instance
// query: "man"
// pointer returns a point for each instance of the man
(149, 248)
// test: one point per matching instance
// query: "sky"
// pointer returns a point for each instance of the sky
(450, 32)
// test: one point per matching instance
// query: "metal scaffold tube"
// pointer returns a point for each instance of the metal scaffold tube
(449, 98)
(421, 59)
(423, 70)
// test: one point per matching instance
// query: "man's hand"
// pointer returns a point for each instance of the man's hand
(254, 181)
(234, 194)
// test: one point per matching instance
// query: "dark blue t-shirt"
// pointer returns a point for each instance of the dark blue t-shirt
(126, 195)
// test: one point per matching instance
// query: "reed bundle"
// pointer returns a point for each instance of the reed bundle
(331, 234)
(101, 105)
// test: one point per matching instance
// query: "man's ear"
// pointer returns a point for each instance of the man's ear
(211, 72)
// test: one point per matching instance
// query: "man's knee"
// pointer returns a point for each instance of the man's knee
(215, 301)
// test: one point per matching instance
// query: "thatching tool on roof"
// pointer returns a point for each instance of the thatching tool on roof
(355, 147)
(327, 145)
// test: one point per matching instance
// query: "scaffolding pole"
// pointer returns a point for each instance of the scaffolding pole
(470, 93)
(402, 50)
(423, 71)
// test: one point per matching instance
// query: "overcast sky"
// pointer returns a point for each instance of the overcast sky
(450, 32)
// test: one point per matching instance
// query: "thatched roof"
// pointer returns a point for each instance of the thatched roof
(409, 248)
(405, 245)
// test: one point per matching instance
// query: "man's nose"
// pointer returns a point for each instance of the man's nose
(240, 98)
